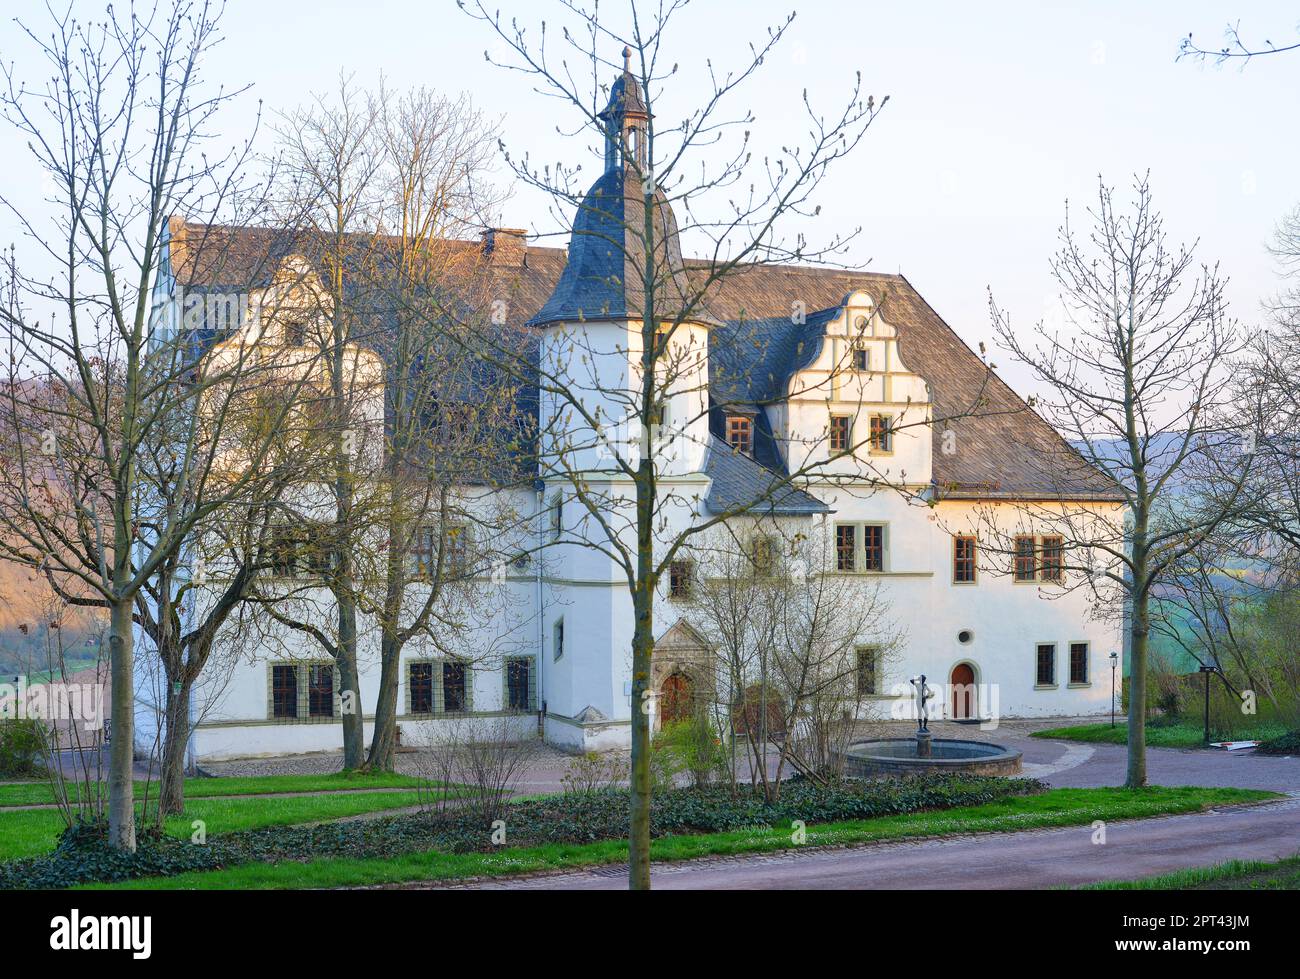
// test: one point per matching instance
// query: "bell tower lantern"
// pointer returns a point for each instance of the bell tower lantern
(625, 121)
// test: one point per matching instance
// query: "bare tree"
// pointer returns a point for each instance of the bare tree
(329, 190)
(120, 131)
(444, 511)
(799, 648)
(1235, 48)
(1137, 379)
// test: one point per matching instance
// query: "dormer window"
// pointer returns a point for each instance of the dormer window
(740, 433)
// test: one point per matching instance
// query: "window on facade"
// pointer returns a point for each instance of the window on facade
(457, 553)
(868, 682)
(963, 559)
(873, 547)
(1025, 568)
(284, 691)
(424, 549)
(283, 551)
(320, 690)
(762, 555)
(296, 550)
(1046, 665)
(1078, 662)
(557, 639)
(881, 437)
(421, 681)
(861, 357)
(295, 333)
(519, 683)
(557, 516)
(740, 433)
(679, 579)
(841, 426)
(846, 547)
(455, 689)
(1052, 566)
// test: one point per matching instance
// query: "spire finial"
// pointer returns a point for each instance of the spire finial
(627, 59)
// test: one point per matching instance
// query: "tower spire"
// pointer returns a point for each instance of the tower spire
(625, 119)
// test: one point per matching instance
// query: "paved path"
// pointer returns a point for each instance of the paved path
(1032, 859)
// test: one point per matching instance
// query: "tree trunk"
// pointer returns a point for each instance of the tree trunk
(1137, 692)
(121, 786)
(643, 644)
(383, 742)
(639, 817)
(171, 783)
(354, 731)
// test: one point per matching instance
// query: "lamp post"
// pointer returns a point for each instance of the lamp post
(1207, 670)
(1114, 662)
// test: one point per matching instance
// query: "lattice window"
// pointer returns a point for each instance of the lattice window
(521, 684)
(455, 687)
(1025, 568)
(1045, 675)
(881, 438)
(1052, 566)
(841, 426)
(873, 547)
(284, 691)
(740, 433)
(964, 550)
(1078, 662)
(680, 575)
(420, 680)
(846, 547)
(320, 690)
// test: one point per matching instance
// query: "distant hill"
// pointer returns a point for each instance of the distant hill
(33, 623)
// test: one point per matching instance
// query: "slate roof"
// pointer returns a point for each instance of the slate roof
(1004, 450)
(739, 481)
(604, 275)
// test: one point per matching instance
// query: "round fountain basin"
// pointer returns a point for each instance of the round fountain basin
(892, 756)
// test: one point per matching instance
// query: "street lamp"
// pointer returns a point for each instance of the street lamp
(1114, 662)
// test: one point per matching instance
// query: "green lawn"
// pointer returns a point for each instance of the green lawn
(40, 793)
(1183, 735)
(31, 832)
(1235, 875)
(1056, 807)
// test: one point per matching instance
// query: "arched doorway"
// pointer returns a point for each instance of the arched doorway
(676, 701)
(962, 697)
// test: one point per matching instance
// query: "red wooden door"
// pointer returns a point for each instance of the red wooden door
(675, 704)
(962, 683)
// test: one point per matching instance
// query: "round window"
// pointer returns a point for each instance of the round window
(965, 636)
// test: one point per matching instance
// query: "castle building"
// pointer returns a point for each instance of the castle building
(909, 453)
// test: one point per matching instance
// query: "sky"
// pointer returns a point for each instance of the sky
(998, 113)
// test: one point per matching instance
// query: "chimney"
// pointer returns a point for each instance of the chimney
(176, 238)
(506, 246)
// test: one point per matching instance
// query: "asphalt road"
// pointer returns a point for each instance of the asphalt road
(1032, 859)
